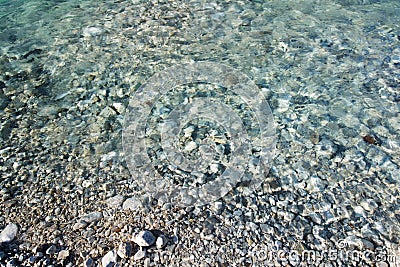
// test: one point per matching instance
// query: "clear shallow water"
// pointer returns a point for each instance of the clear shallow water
(330, 71)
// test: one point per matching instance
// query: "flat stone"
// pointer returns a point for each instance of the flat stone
(84, 220)
(9, 232)
(144, 238)
(132, 204)
(140, 254)
(63, 254)
(51, 250)
(92, 217)
(110, 259)
(115, 201)
(91, 31)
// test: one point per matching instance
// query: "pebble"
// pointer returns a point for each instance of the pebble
(32, 259)
(91, 31)
(51, 250)
(132, 204)
(175, 238)
(140, 254)
(88, 263)
(214, 168)
(63, 254)
(9, 232)
(369, 205)
(144, 238)
(190, 146)
(124, 250)
(161, 241)
(115, 201)
(110, 259)
(87, 218)
(218, 207)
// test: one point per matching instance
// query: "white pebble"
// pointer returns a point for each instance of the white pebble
(132, 204)
(140, 254)
(190, 146)
(8, 234)
(214, 168)
(161, 241)
(63, 254)
(91, 31)
(109, 259)
(144, 238)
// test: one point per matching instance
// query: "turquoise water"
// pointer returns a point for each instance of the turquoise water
(330, 71)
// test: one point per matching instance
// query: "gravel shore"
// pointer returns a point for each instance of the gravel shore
(331, 75)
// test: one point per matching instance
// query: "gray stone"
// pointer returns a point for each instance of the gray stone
(265, 228)
(32, 259)
(144, 238)
(175, 239)
(92, 217)
(86, 219)
(5, 130)
(109, 260)
(218, 206)
(9, 232)
(115, 201)
(132, 204)
(91, 31)
(51, 250)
